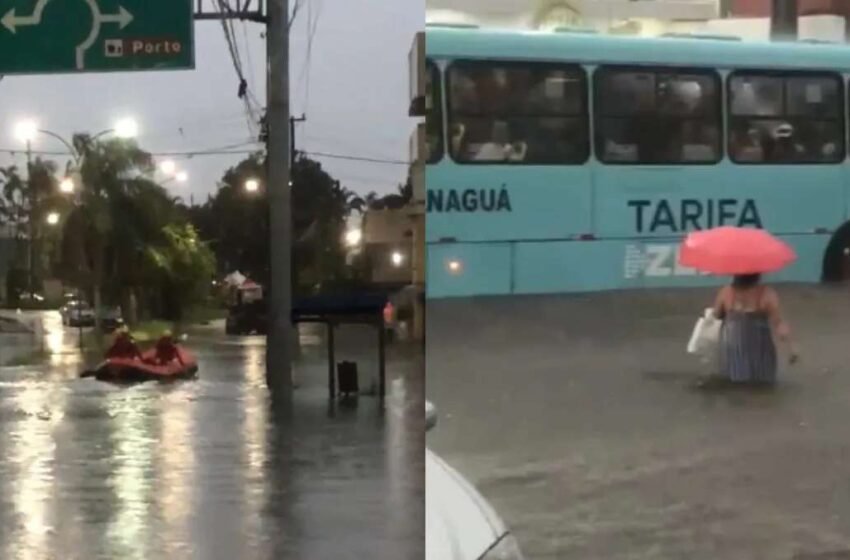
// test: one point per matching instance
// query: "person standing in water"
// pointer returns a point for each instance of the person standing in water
(752, 319)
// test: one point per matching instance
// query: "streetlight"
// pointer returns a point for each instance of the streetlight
(168, 167)
(126, 128)
(67, 185)
(26, 130)
(353, 237)
(252, 185)
(53, 218)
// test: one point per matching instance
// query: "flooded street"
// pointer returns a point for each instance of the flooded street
(582, 420)
(209, 469)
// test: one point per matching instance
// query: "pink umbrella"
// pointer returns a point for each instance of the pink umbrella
(733, 250)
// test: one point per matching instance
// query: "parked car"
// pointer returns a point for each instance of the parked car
(247, 318)
(77, 313)
(111, 319)
(459, 523)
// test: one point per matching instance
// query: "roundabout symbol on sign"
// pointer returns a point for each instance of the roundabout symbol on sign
(123, 18)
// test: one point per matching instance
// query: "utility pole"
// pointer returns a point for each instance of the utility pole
(784, 20)
(278, 347)
(292, 121)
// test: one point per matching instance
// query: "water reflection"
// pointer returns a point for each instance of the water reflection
(175, 461)
(207, 469)
(132, 469)
(31, 454)
(54, 335)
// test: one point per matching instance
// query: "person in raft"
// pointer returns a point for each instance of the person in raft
(123, 346)
(166, 350)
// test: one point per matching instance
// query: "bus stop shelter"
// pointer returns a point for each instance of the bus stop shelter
(350, 309)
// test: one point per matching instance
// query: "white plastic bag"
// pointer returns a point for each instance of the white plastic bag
(706, 335)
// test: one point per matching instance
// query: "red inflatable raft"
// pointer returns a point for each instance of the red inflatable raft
(129, 370)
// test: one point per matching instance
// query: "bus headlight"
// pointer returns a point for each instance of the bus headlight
(454, 266)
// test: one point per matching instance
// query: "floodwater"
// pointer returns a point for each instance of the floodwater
(208, 469)
(581, 418)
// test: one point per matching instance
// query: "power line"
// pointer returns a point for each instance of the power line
(358, 158)
(295, 9)
(251, 74)
(312, 25)
(244, 92)
(221, 150)
(232, 149)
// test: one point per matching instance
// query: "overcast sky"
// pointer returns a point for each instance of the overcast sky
(353, 89)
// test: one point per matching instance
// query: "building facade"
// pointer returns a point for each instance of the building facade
(762, 8)
(387, 246)
(825, 20)
(647, 17)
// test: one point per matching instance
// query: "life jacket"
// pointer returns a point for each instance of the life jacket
(123, 347)
(166, 350)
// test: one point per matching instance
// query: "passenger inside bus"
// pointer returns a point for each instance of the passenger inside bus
(745, 145)
(514, 114)
(557, 140)
(700, 142)
(620, 145)
(495, 146)
(463, 93)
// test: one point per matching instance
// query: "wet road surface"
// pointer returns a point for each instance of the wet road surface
(581, 419)
(209, 469)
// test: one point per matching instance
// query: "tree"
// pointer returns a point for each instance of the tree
(13, 201)
(235, 222)
(186, 265)
(24, 205)
(393, 201)
(110, 171)
(13, 213)
(126, 238)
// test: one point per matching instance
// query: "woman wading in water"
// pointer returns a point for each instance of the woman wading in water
(752, 319)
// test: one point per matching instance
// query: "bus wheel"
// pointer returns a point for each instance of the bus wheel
(836, 262)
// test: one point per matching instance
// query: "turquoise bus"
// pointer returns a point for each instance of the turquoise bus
(573, 162)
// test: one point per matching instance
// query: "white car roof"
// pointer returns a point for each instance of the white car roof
(459, 523)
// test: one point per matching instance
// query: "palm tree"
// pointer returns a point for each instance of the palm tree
(405, 191)
(111, 222)
(23, 206)
(12, 207)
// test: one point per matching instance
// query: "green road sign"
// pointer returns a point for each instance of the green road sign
(52, 36)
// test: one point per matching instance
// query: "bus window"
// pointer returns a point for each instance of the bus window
(517, 113)
(814, 97)
(785, 118)
(657, 116)
(433, 114)
(756, 96)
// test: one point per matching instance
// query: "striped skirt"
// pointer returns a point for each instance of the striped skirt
(747, 350)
